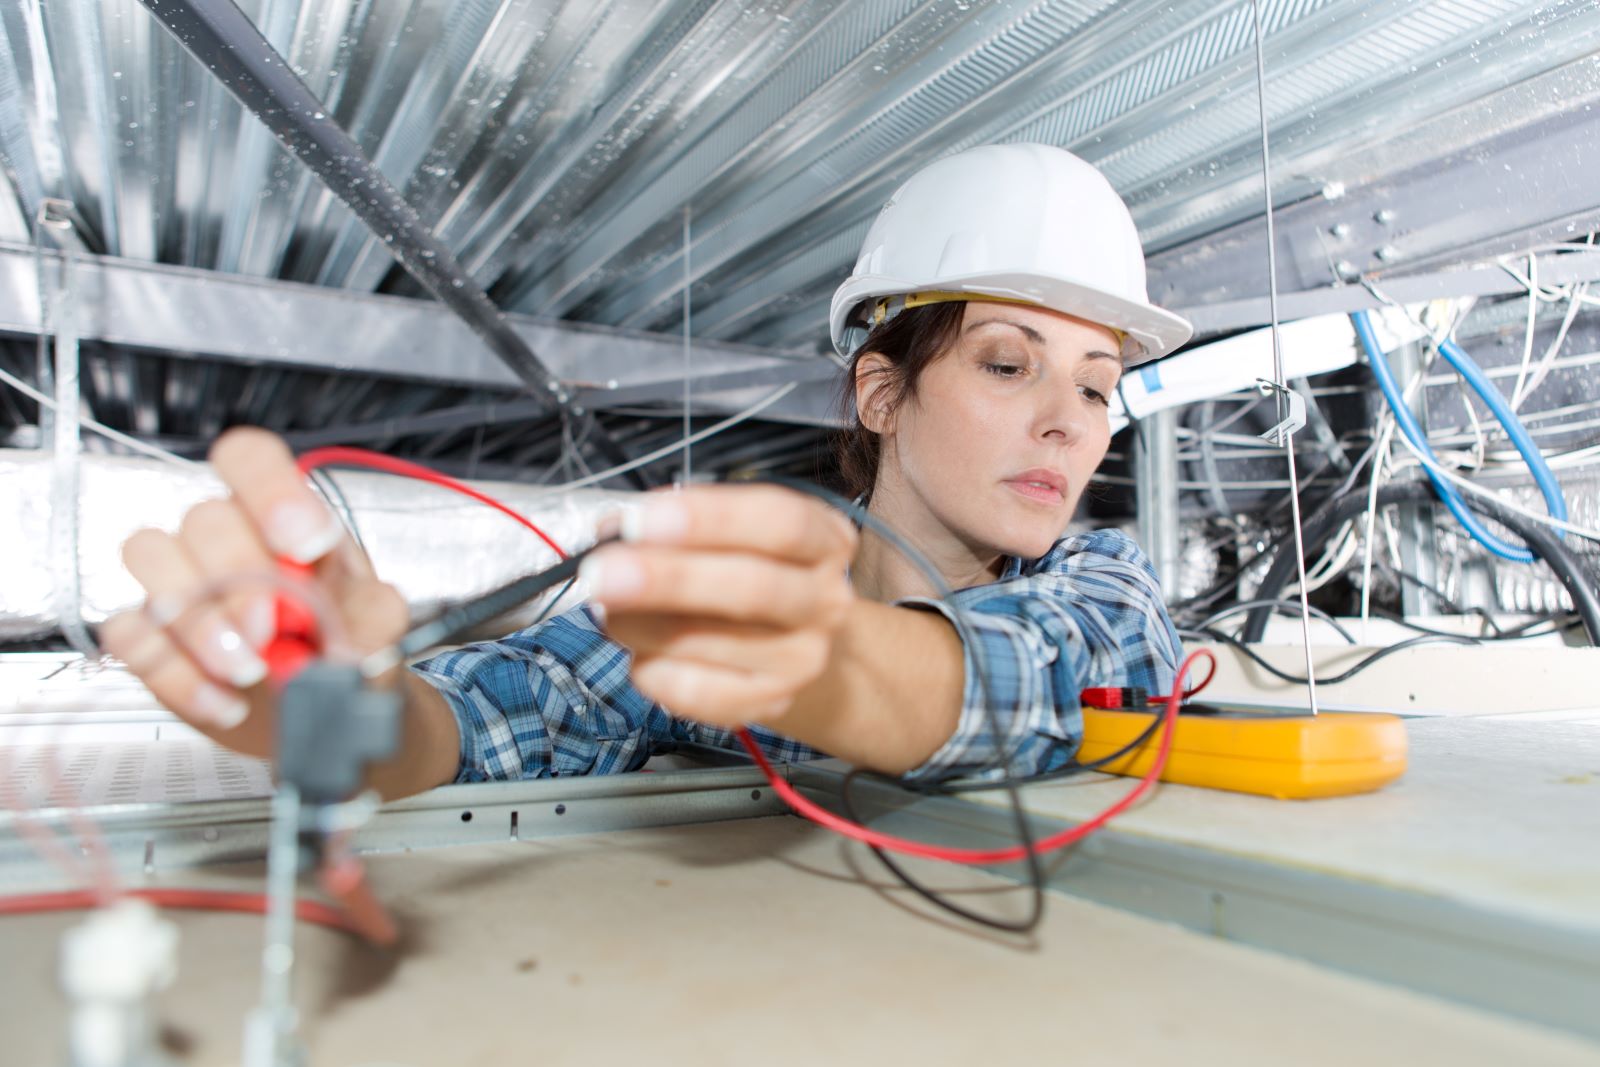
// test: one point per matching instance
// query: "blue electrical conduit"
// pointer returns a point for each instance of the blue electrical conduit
(1473, 375)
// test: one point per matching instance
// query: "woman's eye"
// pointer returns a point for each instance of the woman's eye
(1095, 396)
(1004, 370)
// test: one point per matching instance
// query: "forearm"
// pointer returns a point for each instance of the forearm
(891, 694)
(430, 744)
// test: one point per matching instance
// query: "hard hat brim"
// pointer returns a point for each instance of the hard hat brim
(1154, 331)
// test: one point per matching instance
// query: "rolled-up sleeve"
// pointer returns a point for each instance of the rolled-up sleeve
(555, 699)
(1088, 613)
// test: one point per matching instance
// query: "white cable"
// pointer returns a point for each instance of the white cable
(1379, 460)
(1527, 337)
(1473, 487)
(677, 446)
(1480, 443)
(1507, 370)
(1454, 435)
(1531, 283)
(1335, 558)
(1543, 370)
(97, 427)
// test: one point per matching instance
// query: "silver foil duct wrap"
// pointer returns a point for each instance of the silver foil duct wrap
(1519, 587)
(433, 545)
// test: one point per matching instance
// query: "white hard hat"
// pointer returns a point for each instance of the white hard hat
(1029, 223)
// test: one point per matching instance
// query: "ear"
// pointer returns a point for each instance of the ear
(873, 371)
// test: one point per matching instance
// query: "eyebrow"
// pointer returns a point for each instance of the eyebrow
(1038, 338)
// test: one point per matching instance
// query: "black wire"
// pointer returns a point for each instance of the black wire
(1345, 676)
(1437, 593)
(1568, 622)
(475, 612)
(1574, 575)
(1288, 607)
(552, 602)
(1002, 757)
(959, 787)
(932, 896)
(1521, 633)
(1067, 771)
(333, 494)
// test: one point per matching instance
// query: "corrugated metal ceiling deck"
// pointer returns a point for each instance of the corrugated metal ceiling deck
(555, 146)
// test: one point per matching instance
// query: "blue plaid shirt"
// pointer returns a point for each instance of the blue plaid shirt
(557, 698)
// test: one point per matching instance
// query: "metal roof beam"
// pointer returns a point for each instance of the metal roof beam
(220, 35)
(1554, 269)
(189, 312)
(1526, 187)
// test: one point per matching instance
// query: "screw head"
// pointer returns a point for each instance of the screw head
(1340, 230)
(1383, 216)
(1347, 270)
(1388, 253)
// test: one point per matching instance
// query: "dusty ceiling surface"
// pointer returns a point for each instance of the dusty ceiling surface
(564, 152)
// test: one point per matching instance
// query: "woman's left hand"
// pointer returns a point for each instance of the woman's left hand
(729, 596)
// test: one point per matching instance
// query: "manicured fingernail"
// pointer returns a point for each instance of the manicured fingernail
(303, 531)
(260, 621)
(663, 519)
(615, 574)
(229, 657)
(218, 707)
(598, 610)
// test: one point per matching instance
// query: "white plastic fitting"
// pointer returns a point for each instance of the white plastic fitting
(111, 964)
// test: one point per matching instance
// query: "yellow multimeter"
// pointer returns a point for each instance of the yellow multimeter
(1288, 756)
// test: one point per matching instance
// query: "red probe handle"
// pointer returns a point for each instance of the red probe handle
(296, 641)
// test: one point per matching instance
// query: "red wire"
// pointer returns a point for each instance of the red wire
(977, 856)
(192, 899)
(360, 457)
(821, 816)
(1189, 693)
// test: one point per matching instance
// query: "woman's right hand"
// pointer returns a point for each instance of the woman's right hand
(203, 662)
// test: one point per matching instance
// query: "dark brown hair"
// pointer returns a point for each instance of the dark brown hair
(910, 342)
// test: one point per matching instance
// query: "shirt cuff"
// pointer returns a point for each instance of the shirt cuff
(470, 727)
(1017, 669)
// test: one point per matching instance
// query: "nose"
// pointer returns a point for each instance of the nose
(1062, 417)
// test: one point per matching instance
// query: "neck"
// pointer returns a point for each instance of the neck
(882, 572)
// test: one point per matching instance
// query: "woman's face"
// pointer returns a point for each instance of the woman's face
(1006, 427)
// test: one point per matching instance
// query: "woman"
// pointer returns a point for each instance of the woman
(996, 302)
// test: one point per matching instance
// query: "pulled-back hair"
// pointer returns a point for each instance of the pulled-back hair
(909, 341)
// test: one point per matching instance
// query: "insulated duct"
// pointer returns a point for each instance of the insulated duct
(434, 546)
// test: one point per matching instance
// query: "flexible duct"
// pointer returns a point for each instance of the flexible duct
(434, 546)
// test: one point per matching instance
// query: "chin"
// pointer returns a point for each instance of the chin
(1027, 544)
(1033, 548)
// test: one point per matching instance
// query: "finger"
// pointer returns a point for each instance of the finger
(375, 616)
(733, 586)
(710, 694)
(219, 538)
(260, 471)
(177, 601)
(169, 673)
(789, 654)
(767, 519)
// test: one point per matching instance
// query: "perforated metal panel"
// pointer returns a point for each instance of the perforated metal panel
(137, 772)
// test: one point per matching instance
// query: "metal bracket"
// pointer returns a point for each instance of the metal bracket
(1288, 424)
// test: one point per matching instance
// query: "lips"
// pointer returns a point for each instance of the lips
(1040, 484)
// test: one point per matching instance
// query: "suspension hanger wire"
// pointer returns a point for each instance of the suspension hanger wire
(1279, 378)
(688, 355)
